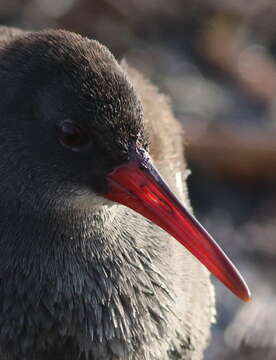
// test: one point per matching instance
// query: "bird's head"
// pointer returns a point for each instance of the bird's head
(72, 133)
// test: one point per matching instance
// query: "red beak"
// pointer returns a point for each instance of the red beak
(138, 185)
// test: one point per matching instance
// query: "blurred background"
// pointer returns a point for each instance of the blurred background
(217, 61)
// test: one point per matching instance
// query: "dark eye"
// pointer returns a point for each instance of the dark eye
(72, 136)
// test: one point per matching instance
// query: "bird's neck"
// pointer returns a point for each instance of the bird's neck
(80, 278)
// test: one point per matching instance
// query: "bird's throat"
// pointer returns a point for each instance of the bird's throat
(85, 281)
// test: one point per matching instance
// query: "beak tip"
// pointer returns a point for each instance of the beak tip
(247, 297)
(244, 293)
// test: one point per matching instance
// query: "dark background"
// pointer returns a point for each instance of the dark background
(216, 59)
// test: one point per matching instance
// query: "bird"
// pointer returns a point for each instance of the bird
(89, 267)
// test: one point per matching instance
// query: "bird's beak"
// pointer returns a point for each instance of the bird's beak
(138, 185)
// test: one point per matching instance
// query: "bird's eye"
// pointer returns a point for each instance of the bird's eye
(72, 136)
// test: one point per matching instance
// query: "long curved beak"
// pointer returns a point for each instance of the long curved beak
(138, 185)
